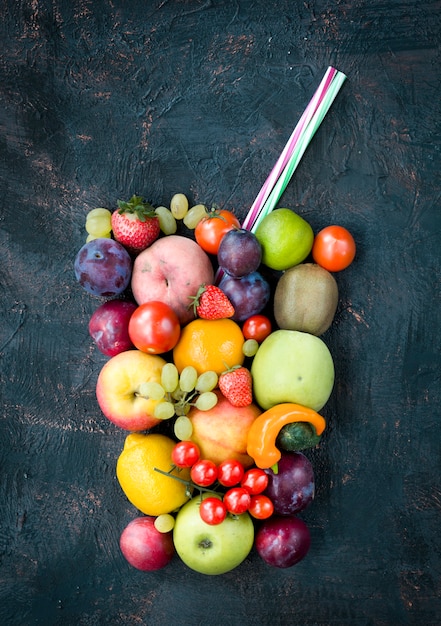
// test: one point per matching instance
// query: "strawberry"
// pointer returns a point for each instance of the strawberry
(211, 303)
(135, 224)
(236, 385)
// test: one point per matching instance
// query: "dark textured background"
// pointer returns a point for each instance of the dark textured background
(102, 99)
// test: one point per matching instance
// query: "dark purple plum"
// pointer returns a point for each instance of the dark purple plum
(103, 267)
(240, 252)
(248, 294)
(109, 324)
(292, 488)
(282, 541)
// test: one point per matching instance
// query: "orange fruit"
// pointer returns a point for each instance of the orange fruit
(209, 345)
(150, 491)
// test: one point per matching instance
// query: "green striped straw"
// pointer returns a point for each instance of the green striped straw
(295, 148)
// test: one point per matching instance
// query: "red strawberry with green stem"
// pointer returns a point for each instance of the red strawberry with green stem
(236, 385)
(211, 303)
(135, 224)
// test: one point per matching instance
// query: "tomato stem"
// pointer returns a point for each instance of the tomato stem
(188, 483)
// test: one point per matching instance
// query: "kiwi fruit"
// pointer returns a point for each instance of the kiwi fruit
(305, 299)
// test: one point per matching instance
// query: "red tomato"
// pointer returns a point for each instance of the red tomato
(237, 500)
(213, 511)
(230, 472)
(185, 454)
(257, 327)
(210, 230)
(333, 248)
(203, 473)
(255, 481)
(154, 328)
(261, 507)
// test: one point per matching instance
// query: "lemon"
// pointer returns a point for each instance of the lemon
(286, 239)
(148, 490)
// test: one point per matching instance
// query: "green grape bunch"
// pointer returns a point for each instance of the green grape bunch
(177, 393)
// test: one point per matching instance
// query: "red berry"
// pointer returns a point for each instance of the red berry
(135, 224)
(236, 385)
(211, 303)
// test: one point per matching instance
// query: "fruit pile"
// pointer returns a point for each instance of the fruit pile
(217, 372)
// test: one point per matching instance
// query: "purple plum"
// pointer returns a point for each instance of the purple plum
(109, 324)
(282, 541)
(103, 267)
(292, 488)
(248, 294)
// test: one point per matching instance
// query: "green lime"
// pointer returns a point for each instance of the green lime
(286, 239)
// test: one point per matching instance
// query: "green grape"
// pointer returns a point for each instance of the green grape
(194, 215)
(179, 206)
(207, 381)
(164, 523)
(164, 410)
(152, 390)
(167, 222)
(250, 347)
(183, 428)
(206, 401)
(170, 377)
(98, 222)
(188, 378)
(92, 237)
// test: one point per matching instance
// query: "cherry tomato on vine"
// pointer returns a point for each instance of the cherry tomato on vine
(213, 511)
(255, 481)
(261, 507)
(210, 230)
(333, 248)
(230, 472)
(154, 327)
(257, 327)
(237, 500)
(203, 473)
(185, 454)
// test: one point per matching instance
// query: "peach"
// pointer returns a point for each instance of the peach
(171, 270)
(222, 432)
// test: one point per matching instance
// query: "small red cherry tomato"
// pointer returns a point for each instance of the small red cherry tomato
(203, 473)
(154, 327)
(333, 248)
(237, 500)
(230, 472)
(255, 481)
(261, 507)
(257, 327)
(210, 230)
(185, 454)
(213, 511)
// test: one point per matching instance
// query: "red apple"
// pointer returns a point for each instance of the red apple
(171, 270)
(144, 547)
(108, 326)
(222, 432)
(117, 389)
(282, 541)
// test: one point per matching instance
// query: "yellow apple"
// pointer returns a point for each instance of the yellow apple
(117, 389)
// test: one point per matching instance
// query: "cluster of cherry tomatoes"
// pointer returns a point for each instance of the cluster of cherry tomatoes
(244, 487)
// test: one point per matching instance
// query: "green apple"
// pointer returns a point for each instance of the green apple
(286, 239)
(292, 366)
(211, 549)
